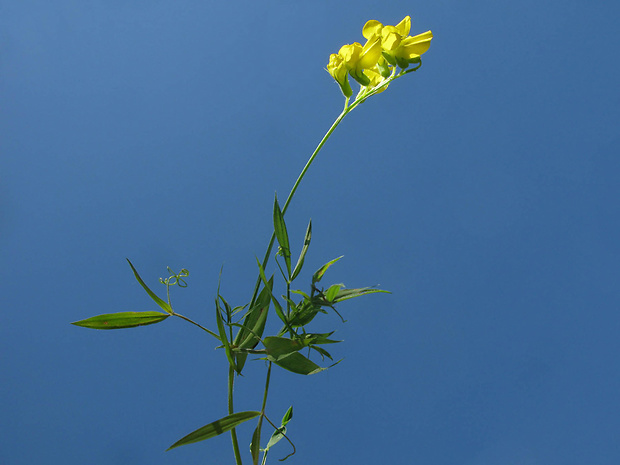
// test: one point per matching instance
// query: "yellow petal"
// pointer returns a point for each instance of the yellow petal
(336, 67)
(375, 78)
(350, 54)
(371, 29)
(370, 54)
(390, 38)
(415, 45)
(404, 26)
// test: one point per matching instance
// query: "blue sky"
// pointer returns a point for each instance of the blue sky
(482, 191)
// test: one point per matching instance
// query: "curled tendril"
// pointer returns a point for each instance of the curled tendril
(175, 278)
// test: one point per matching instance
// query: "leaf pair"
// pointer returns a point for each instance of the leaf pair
(284, 352)
(281, 232)
(129, 319)
(232, 421)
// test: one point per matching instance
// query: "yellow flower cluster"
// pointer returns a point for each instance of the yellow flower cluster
(385, 48)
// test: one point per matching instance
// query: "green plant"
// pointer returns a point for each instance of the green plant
(386, 56)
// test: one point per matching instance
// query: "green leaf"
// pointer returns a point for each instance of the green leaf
(227, 307)
(323, 352)
(318, 338)
(276, 304)
(275, 437)
(304, 250)
(164, 305)
(304, 313)
(222, 330)
(238, 308)
(280, 432)
(255, 444)
(255, 320)
(122, 320)
(345, 294)
(297, 291)
(318, 275)
(332, 291)
(280, 311)
(216, 428)
(282, 235)
(280, 347)
(288, 416)
(297, 363)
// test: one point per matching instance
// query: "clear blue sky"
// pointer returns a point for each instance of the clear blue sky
(482, 191)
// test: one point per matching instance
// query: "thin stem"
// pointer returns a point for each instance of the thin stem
(196, 324)
(231, 410)
(344, 113)
(262, 410)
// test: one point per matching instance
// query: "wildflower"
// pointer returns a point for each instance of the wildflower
(338, 69)
(375, 78)
(399, 48)
(358, 58)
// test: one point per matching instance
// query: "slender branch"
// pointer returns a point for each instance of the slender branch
(196, 324)
(231, 410)
(262, 410)
(294, 189)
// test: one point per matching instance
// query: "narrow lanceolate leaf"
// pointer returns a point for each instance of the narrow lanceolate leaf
(222, 330)
(323, 352)
(318, 338)
(163, 304)
(255, 444)
(216, 428)
(297, 363)
(122, 320)
(304, 250)
(288, 416)
(282, 235)
(344, 294)
(276, 304)
(255, 322)
(255, 319)
(318, 275)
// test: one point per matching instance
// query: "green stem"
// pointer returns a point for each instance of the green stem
(194, 323)
(262, 410)
(344, 113)
(231, 410)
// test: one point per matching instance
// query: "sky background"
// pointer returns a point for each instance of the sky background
(482, 191)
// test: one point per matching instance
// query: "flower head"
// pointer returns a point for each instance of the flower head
(354, 59)
(399, 48)
(375, 62)
(338, 69)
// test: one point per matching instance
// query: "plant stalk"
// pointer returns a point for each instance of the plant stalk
(231, 410)
(333, 127)
(262, 410)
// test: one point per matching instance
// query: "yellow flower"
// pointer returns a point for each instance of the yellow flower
(385, 47)
(338, 69)
(398, 47)
(357, 58)
(375, 77)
